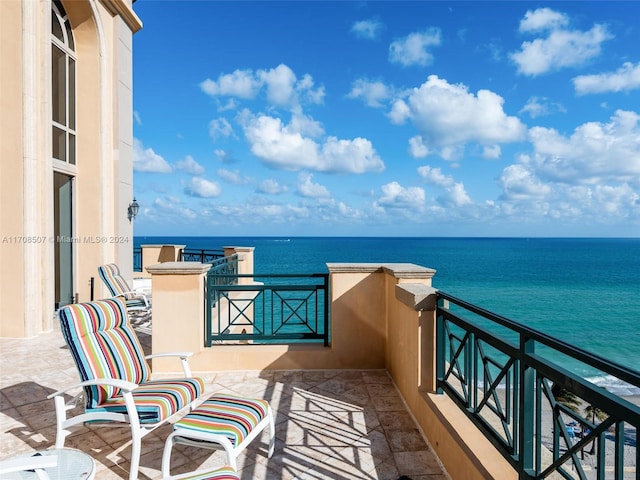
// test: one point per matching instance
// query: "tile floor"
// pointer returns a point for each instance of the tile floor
(338, 424)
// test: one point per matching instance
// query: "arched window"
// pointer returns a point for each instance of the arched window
(63, 83)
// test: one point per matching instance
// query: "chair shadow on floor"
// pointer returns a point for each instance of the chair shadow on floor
(31, 421)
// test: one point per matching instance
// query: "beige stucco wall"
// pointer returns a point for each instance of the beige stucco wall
(11, 253)
(103, 175)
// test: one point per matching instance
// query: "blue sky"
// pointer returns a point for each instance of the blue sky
(387, 118)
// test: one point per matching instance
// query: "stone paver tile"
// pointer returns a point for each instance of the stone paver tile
(385, 471)
(381, 390)
(396, 420)
(376, 376)
(388, 404)
(406, 440)
(417, 463)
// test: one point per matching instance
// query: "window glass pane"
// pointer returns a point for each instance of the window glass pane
(59, 85)
(72, 149)
(72, 93)
(56, 28)
(71, 45)
(59, 144)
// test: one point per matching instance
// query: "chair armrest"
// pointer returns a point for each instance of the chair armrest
(183, 359)
(121, 384)
(135, 294)
(169, 354)
(22, 464)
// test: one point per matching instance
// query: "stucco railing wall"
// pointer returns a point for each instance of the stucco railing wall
(463, 450)
(357, 313)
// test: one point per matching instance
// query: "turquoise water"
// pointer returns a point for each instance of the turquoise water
(583, 291)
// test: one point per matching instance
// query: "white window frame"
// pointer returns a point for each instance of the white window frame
(65, 165)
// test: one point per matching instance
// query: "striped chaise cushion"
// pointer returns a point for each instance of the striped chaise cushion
(116, 284)
(224, 473)
(232, 417)
(104, 345)
(157, 400)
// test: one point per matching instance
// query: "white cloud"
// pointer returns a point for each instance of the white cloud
(283, 146)
(137, 118)
(223, 156)
(518, 183)
(220, 127)
(395, 195)
(200, 187)
(234, 177)
(282, 87)
(594, 153)
(168, 209)
(280, 84)
(306, 91)
(491, 152)
(541, 106)
(561, 48)
(449, 116)
(146, 160)
(189, 165)
(368, 29)
(412, 49)
(454, 192)
(543, 19)
(417, 148)
(271, 187)
(528, 198)
(307, 188)
(625, 79)
(240, 83)
(373, 93)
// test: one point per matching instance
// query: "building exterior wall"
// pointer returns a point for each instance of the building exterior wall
(102, 177)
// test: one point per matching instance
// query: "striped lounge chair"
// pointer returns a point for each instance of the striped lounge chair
(116, 378)
(138, 303)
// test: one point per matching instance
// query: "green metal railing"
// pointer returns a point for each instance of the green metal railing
(200, 255)
(267, 308)
(545, 419)
(137, 259)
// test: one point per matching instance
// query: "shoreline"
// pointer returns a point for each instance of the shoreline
(589, 461)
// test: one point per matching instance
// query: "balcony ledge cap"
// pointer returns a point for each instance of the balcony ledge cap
(178, 268)
(398, 270)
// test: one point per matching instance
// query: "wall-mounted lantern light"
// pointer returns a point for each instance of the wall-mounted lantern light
(132, 210)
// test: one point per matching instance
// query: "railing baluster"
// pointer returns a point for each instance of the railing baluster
(525, 445)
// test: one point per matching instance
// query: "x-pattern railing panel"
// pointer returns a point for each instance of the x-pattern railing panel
(522, 401)
(274, 308)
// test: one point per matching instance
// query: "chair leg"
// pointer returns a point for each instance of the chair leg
(272, 433)
(61, 418)
(136, 447)
(166, 456)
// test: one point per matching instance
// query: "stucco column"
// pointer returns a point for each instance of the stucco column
(178, 310)
(245, 261)
(153, 254)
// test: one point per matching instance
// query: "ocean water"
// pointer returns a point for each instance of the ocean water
(584, 291)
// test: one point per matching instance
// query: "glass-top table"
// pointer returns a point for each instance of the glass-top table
(71, 465)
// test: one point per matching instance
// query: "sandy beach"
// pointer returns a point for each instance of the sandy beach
(589, 460)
